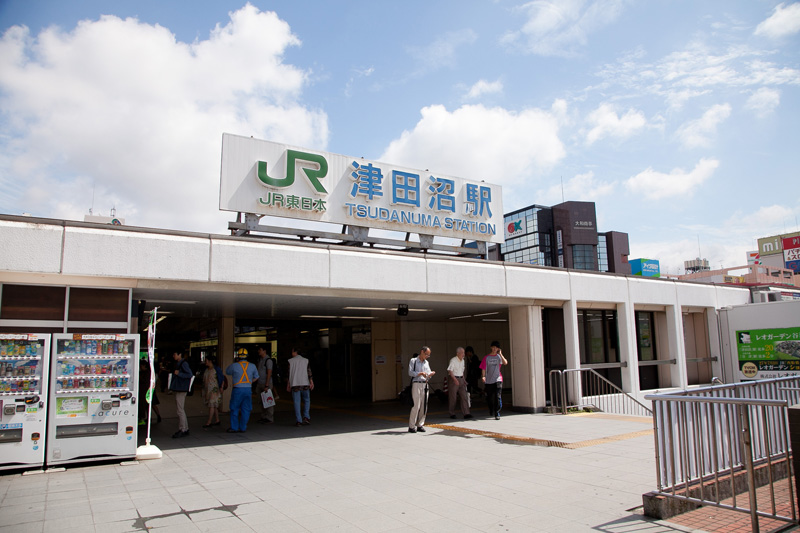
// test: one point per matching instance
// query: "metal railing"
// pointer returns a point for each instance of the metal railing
(714, 443)
(585, 388)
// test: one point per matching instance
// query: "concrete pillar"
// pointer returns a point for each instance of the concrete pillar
(677, 348)
(628, 351)
(714, 345)
(527, 358)
(225, 344)
(572, 347)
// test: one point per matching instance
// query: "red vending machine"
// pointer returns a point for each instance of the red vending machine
(93, 403)
(23, 399)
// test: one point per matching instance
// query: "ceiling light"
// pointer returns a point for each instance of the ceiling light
(366, 308)
(420, 310)
(488, 314)
(495, 320)
(357, 317)
(460, 317)
(318, 316)
(182, 302)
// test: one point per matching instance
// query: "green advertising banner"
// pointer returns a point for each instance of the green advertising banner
(768, 353)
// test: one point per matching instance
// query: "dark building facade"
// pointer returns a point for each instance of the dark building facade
(566, 236)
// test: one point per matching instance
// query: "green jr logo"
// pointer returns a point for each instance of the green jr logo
(314, 166)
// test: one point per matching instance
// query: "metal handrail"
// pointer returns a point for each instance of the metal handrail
(707, 438)
(656, 362)
(587, 389)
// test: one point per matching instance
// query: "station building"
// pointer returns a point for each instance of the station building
(357, 310)
(564, 235)
(339, 305)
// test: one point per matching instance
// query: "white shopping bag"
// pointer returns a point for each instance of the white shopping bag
(267, 400)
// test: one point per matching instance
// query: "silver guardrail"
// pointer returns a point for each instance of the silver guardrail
(585, 388)
(712, 444)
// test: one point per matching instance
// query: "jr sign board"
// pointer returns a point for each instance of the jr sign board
(268, 178)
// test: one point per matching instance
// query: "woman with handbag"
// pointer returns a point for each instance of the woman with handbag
(212, 395)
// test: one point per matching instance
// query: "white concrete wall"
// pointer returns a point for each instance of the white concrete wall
(110, 256)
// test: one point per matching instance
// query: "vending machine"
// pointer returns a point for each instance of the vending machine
(93, 403)
(23, 399)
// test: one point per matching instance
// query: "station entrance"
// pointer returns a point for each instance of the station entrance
(358, 348)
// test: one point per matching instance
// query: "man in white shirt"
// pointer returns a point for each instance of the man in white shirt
(420, 372)
(458, 384)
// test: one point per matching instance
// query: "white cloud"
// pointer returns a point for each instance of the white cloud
(657, 185)
(698, 133)
(672, 253)
(695, 71)
(764, 101)
(560, 27)
(783, 21)
(607, 123)
(124, 107)
(482, 87)
(357, 76)
(480, 143)
(442, 52)
(724, 244)
(581, 188)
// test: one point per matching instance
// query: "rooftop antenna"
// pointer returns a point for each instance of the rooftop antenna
(92, 207)
(699, 255)
(562, 189)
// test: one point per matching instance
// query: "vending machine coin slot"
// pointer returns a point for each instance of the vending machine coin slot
(125, 395)
(35, 436)
(31, 399)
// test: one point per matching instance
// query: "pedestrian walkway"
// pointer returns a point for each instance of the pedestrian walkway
(356, 468)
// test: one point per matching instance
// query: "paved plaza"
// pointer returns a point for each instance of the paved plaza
(356, 468)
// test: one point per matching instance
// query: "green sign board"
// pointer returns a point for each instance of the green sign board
(768, 353)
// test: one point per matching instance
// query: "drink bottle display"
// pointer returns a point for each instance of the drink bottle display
(93, 411)
(23, 399)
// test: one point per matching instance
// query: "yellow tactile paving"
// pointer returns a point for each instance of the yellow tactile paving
(544, 442)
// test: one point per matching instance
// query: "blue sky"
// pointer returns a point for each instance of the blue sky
(678, 118)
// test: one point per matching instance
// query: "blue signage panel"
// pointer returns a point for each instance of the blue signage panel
(648, 268)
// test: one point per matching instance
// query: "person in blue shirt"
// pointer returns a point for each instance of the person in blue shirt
(243, 375)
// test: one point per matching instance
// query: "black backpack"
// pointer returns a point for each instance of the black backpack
(276, 372)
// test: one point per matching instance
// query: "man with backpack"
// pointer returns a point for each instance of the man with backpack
(420, 371)
(243, 376)
(180, 384)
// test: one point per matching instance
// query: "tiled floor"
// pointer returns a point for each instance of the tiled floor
(358, 469)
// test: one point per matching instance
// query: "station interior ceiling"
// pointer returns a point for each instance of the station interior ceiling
(199, 306)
